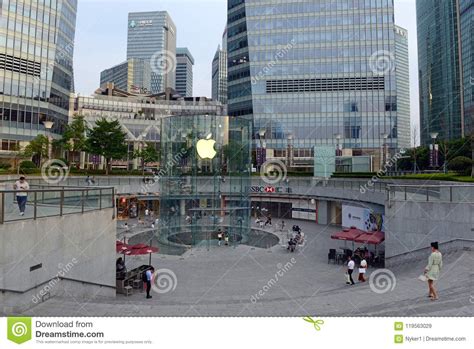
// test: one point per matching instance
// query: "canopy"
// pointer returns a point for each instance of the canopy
(140, 249)
(375, 238)
(121, 247)
(347, 234)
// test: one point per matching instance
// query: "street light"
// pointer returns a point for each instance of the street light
(261, 152)
(434, 150)
(290, 151)
(338, 137)
(384, 149)
(48, 125)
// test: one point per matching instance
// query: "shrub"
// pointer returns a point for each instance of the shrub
(461, 164)
(28, 165)
(5, 166)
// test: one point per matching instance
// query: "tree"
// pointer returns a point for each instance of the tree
(107, 139)
(147, 154)
(74, 139)
(38, 147)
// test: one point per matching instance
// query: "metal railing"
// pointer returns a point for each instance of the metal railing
(431, 193)
(52, 201)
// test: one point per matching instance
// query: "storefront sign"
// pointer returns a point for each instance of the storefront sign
(270, 190)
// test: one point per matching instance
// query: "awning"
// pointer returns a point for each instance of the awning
(371, 238)
(347, 234)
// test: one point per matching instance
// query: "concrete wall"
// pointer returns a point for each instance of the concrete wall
(414, 225)
(76, 247)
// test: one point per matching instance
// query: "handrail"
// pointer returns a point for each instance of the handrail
(57, 278)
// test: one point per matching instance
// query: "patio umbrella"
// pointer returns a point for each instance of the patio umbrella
(375, 238)
(142, 249)
(348, 235)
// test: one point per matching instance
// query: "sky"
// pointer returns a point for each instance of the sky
(101, 38)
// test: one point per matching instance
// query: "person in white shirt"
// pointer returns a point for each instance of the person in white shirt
(149, 277)
(350, 270)
(362, 270)
(21, 186)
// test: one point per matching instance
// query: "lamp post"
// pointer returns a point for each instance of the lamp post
(434, 150)
(290, 151)
(48, 125)
(384, 150)
(261, 152)
(338, 137)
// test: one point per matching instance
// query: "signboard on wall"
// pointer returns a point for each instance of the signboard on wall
(362, 218)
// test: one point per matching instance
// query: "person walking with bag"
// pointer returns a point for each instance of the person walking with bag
(350, 270)
(433, 269)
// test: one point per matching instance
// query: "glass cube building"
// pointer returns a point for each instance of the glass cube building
(305, 71)
(203, 157)
(36, 67)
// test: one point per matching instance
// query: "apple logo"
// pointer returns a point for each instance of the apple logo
(205, 148)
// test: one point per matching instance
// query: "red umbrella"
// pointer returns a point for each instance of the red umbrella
(121, 247)
(142, 249)
(347, 234)
(371, 238)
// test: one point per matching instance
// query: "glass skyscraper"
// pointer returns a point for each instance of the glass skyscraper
(132, 76)
(36, 67)
(152, 37)
(219, 72)
(466, 15)
(184, 72)
(315, 73)
(441, 67)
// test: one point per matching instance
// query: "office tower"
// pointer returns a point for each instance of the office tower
(466, 15)
(152, 37)
(219, 72)
(403, 87)
(132, 76)
(36, 69)
(184, 72)
(445, 31)
(314, 73)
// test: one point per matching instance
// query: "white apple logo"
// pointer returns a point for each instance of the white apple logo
(205, 148)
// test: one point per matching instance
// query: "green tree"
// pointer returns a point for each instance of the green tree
(146, 155)
(74, 139)
(38, 147)
(107, 139)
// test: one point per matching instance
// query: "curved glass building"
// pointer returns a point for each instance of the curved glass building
(36, 67)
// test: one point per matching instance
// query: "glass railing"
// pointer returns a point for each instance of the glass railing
(431, 193)
(49, 201)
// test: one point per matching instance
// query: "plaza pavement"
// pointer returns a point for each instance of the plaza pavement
(225, 281)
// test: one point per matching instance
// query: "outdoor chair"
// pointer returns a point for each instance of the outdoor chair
(332, 256)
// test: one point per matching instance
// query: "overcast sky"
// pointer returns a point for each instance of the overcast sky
(101, 37)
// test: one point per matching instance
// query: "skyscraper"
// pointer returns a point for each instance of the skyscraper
(184, 72)
(444, 60)
(132, 76)
(36, 68)
(152, 37)
(403, 87)
(219, 72)
(466, 15)
(315, 73)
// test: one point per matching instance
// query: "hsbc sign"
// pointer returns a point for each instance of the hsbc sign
(269, 190)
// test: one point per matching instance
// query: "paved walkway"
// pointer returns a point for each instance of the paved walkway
(246, 281)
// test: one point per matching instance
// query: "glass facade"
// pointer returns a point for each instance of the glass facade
(439, 69)
(305, 71)
(198, 152)
(219, 72)
(403, 88)
(467, 51)
(36, 66)
(152, 37)
(133, 76)
(184, 72)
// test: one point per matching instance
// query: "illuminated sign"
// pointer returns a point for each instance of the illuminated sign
(144, 23)
(270, 190)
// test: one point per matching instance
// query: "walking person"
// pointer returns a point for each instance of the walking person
(148, 279)
(362, 270)
(21, 186)
(350, 270)
(219, 238)
(432, 270)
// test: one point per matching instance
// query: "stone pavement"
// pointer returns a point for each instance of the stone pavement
(246, 281)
